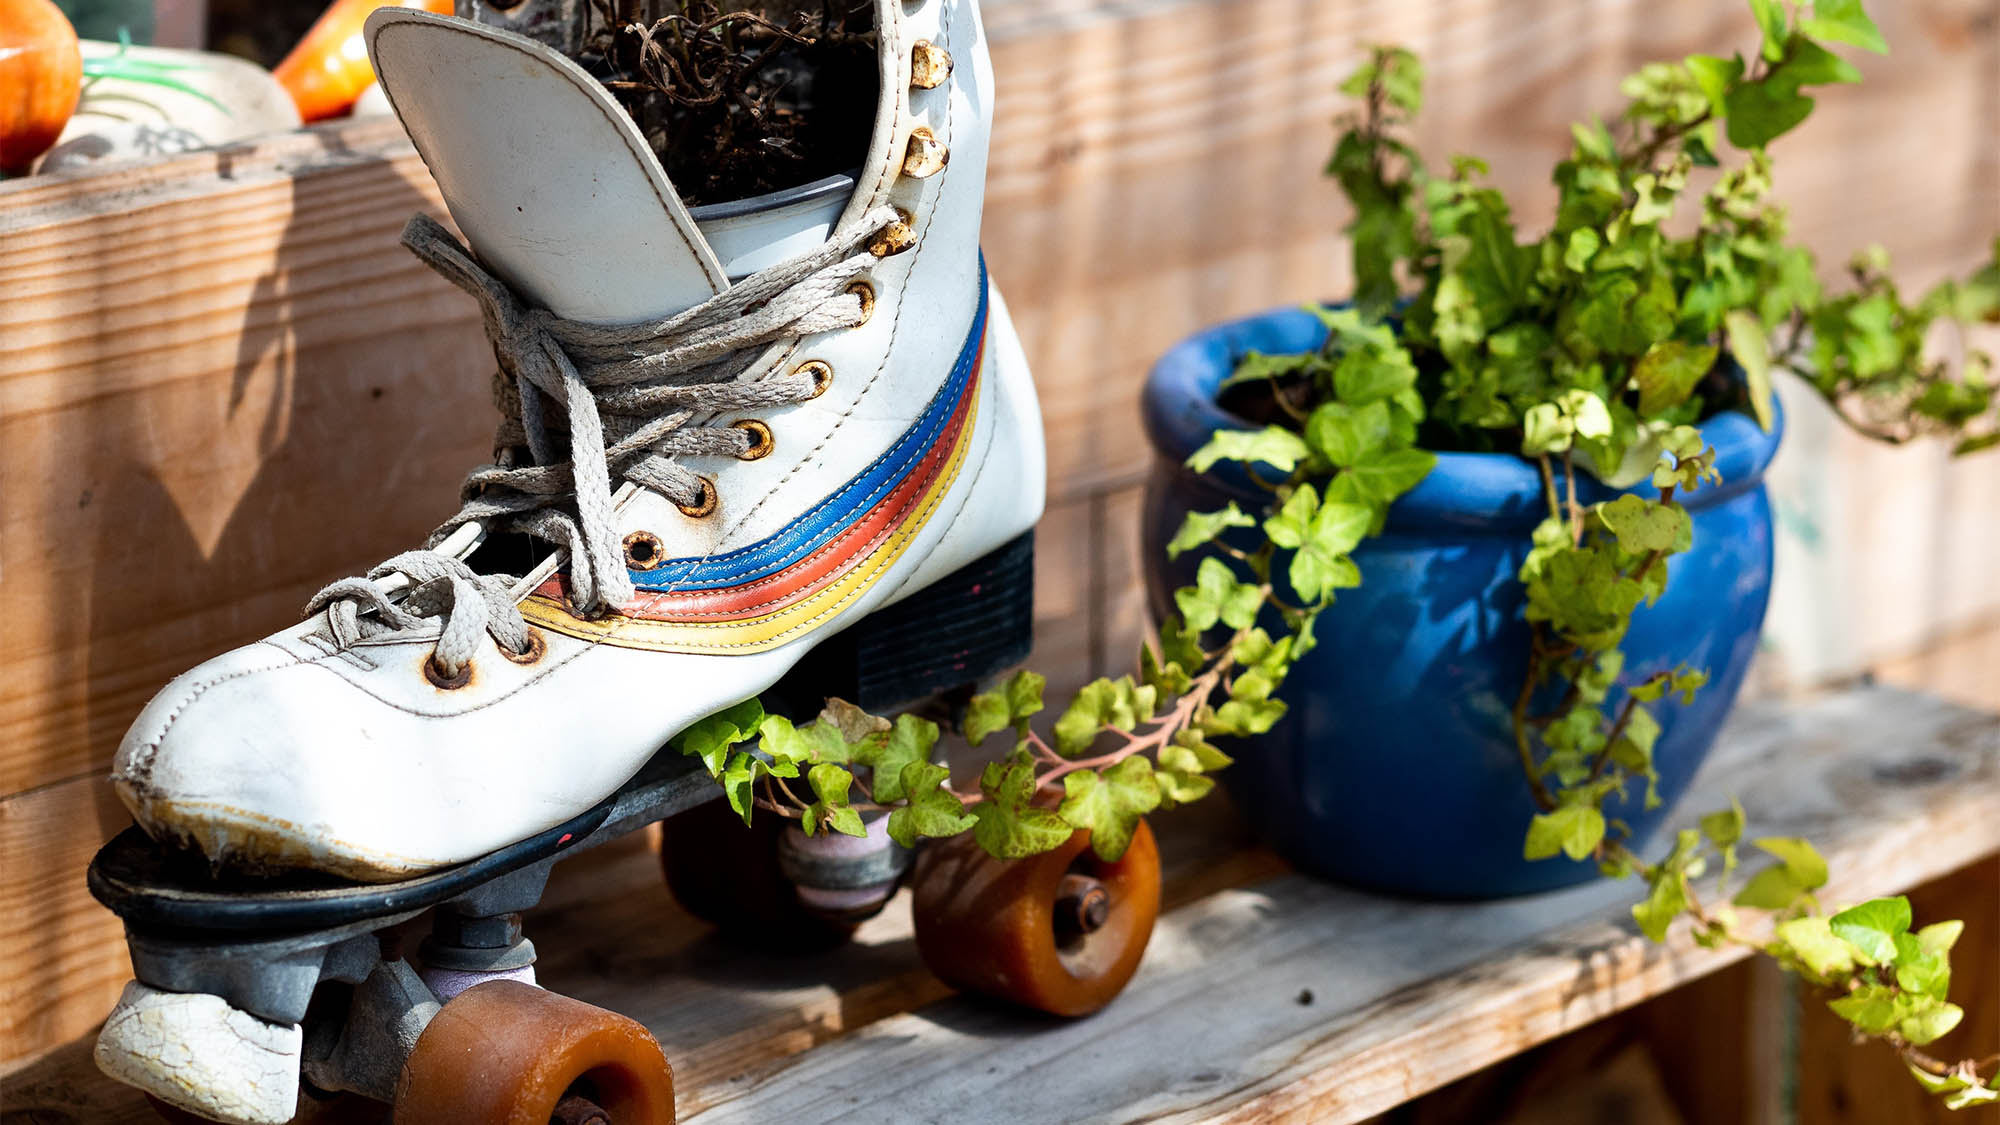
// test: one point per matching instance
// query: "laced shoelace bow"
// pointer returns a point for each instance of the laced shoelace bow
(634, 396)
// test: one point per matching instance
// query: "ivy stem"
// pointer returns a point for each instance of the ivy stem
(1575, 509)
(1521, 744)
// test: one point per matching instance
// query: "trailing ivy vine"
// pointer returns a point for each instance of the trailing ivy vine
(1592, 350)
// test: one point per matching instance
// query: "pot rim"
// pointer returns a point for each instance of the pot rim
(1499, 492)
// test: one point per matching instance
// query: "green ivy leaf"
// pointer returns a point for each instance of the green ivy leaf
(1843, 21)
(1664, 902)
(1108, 804)
(739, 778)
(1800, 871)
(1871, 1008)
(1715, 76)
(1202, 528)
(711, 739)
(1668, 373)
(1642, 525)
(1009, 826)
(791, 747)
(1345, 434)
(1752, 349)
(910, 740)
(1761, 112)
(1939, 937)
(1771, 20)
(1724, 828)
(1930, 1023)
(1190, 753)
(1116, 704)
(1812, 944)
(932, 812)
(1181, 788)
(1217, 596)
(1273, 445)
(1292, 522)
(1574, 830)
(830, 784)
(1320, 564)
(1385, 475)
(1872, 927)
(1009, 706)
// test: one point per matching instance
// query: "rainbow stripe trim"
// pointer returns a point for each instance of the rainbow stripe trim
(766, 594)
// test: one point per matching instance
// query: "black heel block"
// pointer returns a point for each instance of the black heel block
(975, 623)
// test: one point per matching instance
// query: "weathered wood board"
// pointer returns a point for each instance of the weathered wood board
(1265, 996)
(222, 383)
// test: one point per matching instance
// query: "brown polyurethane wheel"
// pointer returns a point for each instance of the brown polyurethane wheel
(1012, 929)
(506, 1053)
(726, 873)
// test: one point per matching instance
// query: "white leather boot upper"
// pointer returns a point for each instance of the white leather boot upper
(341, 744)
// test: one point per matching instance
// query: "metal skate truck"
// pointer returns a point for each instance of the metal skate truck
(782, 446)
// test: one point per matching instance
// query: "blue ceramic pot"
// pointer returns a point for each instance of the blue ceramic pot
(1395, 768)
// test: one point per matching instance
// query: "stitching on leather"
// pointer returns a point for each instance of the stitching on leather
(150, 749)
(882, 172)
(923, 485)
(810, 623)
(973, 361)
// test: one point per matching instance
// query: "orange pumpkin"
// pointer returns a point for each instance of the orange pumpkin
(41, 76)
(329, 68)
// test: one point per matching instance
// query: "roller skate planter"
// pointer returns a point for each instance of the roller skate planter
(784, 446)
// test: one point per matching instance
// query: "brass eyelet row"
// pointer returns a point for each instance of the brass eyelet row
(538, 647)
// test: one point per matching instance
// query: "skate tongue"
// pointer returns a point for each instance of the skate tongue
(543, 172)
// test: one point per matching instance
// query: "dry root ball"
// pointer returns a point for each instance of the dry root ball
(739, 102)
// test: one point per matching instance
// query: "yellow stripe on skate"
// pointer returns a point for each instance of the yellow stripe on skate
(760, 634)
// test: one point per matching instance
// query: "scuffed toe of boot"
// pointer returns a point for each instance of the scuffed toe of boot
(256, 760)
(196, 1052)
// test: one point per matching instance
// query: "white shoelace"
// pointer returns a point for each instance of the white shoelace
(635, 397)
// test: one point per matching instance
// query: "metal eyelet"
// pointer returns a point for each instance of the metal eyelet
(925, 155)
(707, 504)
(763, 442)
(443, 680)
(896, 237)
(930, 65)
(821, 372)
(644, 551)
(866, 292)
(537, 648)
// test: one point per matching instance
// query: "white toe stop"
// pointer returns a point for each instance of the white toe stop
(196, 1052)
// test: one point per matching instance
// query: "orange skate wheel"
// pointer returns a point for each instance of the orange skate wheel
(1062, 931)
(508, 1053)
(726, 873)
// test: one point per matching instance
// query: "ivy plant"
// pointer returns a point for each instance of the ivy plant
(1594, 348)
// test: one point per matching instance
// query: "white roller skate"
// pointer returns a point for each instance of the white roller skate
(733, 435)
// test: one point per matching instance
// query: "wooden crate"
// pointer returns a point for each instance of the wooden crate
(222, 382)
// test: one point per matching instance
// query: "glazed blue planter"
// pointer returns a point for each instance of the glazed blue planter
(1395, 768)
